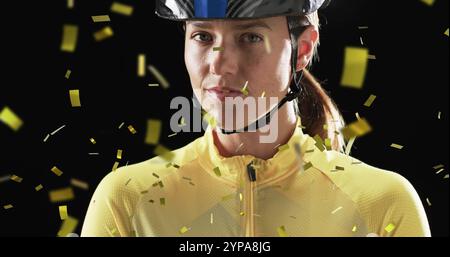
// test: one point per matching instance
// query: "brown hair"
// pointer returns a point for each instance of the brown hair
(318, 112)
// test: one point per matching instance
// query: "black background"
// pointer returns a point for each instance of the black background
(409, 77)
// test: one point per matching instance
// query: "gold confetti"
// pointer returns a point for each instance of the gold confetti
(242, 213)
(371, 57)
(16, 178)
(439, 115)
(349, 146)
(319, 143)
(267, 44)
(337, 209)
(397, 146)
(356, 129)
(70, 4)
(67, 75)
(354, 229)
(438, 166)
(263, 94)
(389, 228)
(211, 220)
(310, 151)
(158, 75)
(155, 175)
(144, 192)
(75, 98)
(307, 166)
(218, 49)
(370, 100)
(121, 125)
(57, 171)
(172, 135)
(68, 226)
(46, 138)
(355, 66)
(429, 202)
(217, 171)
(61, 195)
(439, 171)
(184, 230)
(119, 154)
(160, 183)
(80, 184)
(103, 34)
(446, 176)
(162, 201)
(128, 181)
(340, 168)
(116, 164)
(428, 2)
(141, 65)
(244, 90)
(63, 212)
(92, 141)
(8, 117)
(122, 9)
(328, 144)
(163, 152)
(70, 36)
(240, 197)
(153, 85)
(153, 132)
(446, 32)
(8, 206)
(131, 129)
(56, 131)
(282, 231)
(100, 18)
(39, 187)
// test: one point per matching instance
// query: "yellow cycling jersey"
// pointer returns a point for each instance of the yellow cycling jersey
(303, 190)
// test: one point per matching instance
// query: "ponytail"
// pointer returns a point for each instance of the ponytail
(317, 109)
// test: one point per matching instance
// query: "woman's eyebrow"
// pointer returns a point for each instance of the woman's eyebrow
(246, 26)
(256, 24)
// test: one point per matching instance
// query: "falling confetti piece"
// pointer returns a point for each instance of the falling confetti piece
(428, 2)
(80, 184)
(141, 65)
(70, 4)
(184, 230)
(153, 85)
(69, 40)
(240, 197)
(429, 202)
(244, 90)
(263, 94)
(131, 129)
(122, 9)
(119, 154)
(439, 115)
(8, 117)
(354, 229)
(158, 75)
(16, 178)
(363, 27)
(307, 166)
(340, 168)
(446, 32)
(242, 213)
(211, 220)
(438, 166)
(397, 146)
(355, 66)
(68, 226)
(8, 206)
(282, 231)
(101, 18)
(46, 137)
(67, 75)
(75, 98)
(319, 143)
(163, 152)
(439, 171)
(92, 141)
(371, 57)
(217, 171)
(267, 44)
(63, 212)
(39, 187)
(349, 146)
(446, 176)
(121, 125)
(116, 164)
(328, 144)
(370, 100)
(153, 132)
(57, 171)
(336, 210)
(103, 34)
(61, 195)
(58, 129)
(389, 228)
(356, 129)
(128, 181)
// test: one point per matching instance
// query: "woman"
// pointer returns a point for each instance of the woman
(229, 182)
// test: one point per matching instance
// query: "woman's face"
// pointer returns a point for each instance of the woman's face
(223, 56)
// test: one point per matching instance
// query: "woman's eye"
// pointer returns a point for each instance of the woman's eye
(202, 37)
(251, 38)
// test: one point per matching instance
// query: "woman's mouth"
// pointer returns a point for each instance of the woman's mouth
(221, 93)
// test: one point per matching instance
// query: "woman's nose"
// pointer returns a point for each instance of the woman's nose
(224, 60)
